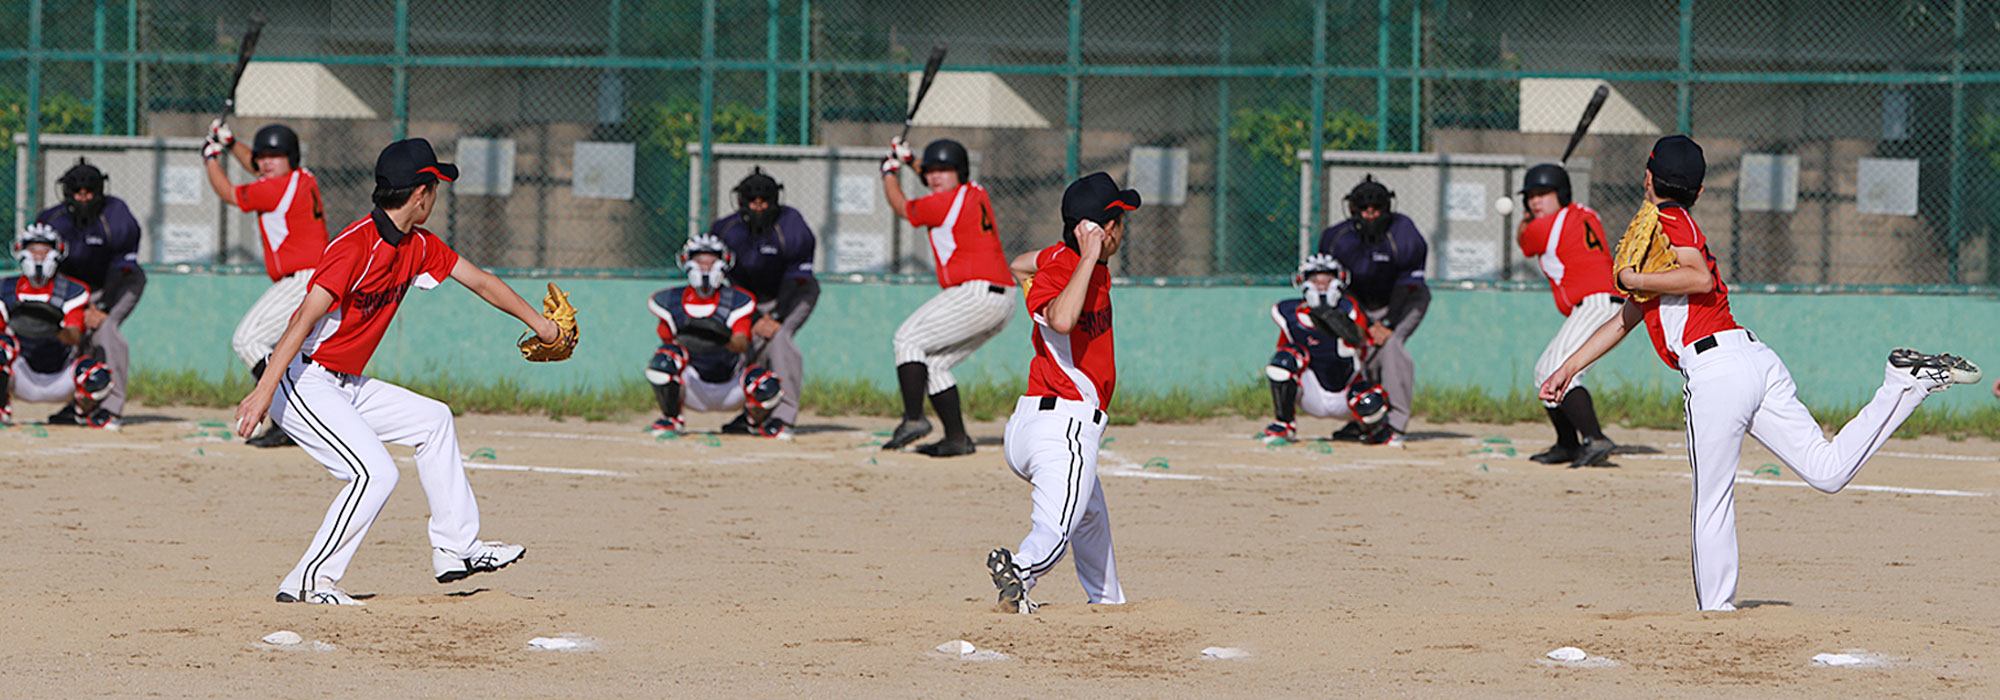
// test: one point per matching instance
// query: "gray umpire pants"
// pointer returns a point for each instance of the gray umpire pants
(780, 354)
(109, 342)
(1392, 365)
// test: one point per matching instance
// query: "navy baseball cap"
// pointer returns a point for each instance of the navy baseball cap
(411, 162)
(1097, 198)
(1676, 160)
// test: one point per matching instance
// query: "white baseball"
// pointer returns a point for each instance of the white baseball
(1504, 205)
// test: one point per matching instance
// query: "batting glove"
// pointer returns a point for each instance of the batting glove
(220, 133)
(900, 150)
(891, 165)
(212, 150)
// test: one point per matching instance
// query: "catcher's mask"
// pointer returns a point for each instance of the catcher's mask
(39, 271)
(758, 185)
(1316, 264)
(83, 177)
(715, 276)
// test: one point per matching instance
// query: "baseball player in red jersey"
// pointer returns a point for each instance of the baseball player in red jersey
(703, 362)
(343, 418)
(292, 224)
(1566, 239)
(47, 368)
(1053, 436)
(1735, 384)
(978, 296)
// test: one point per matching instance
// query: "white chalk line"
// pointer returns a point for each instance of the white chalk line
(1743, 477)
(484, 466)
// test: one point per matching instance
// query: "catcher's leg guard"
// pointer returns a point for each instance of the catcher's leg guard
(1286, 366)
(1369, 403)
(9, 349)
(1284, 371)
(761, 389)
(664, 373)
(93, 380)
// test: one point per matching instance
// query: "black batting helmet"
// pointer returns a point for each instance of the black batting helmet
(1547, 176)
(277, 138)
(946, 153)
(82, 176)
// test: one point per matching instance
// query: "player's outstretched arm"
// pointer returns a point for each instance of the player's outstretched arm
(1602, 341)
(219, 181)
(1690, 278)
(504, 298)
(250, 411)
(1023, 267)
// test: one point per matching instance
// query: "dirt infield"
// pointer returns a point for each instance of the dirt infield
(144, 563)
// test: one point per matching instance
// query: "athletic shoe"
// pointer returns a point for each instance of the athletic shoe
(490, 556)
(66, 416)
(740, 425)
(6, 415)
(1280, 431)
(275, 437)
(775, 429)
(1013, 596)
(664, 426)
(907, 432)
(331, 596)
(1556, 454)
(1385, 436)
(1352, 432)
(949, 447)
(103, 420)
(1593, 453)
(1934, 373)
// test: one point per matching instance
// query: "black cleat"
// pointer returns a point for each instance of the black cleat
(949, 447)
(1352, 432)
(1593, 453)
(1556, 454)
(907, 432)
(275, 437)
(66, 416)
(740, 425)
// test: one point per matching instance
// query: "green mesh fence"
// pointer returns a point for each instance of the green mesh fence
(1847, 142)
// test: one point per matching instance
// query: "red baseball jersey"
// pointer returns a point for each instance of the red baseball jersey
(964, 243)
(1675, 321)
(290, 217)
(368, 275)
(1569, 246)
(1083, 364)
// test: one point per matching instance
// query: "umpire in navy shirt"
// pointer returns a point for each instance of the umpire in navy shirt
(1384, 255)
(773, 250)
(103, 242)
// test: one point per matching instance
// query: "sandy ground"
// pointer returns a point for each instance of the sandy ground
(143, 563)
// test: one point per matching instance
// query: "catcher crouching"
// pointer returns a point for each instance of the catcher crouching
(41, 326)
(702, 362)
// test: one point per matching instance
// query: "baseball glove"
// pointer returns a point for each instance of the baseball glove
(555, 307)
(703, 335)
(1644, 248)
(1338, 324)
(35, 319)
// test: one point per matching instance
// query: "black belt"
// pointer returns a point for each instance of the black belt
(996, 289)
(1617, 300)
(1049, 404)
(1708, 343)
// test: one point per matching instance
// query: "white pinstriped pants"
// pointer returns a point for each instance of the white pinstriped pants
(1588, 315)
(260, 329)
(1055, 449)
(946, 329)
(342, 420)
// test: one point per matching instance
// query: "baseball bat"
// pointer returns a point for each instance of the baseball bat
(924, 87)
(1589, 115)
(244, 50)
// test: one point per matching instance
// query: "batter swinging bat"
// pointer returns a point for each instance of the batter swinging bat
(923, 88)
(1589, 115)
(244, 50)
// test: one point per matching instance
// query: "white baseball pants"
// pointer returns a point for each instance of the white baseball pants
(260, 329)
(342, 420)
(698, 395)
(1588, 315)
(1317, 402)
(32, 386)
(949, 327)
(1052, 444)
(1741, 386)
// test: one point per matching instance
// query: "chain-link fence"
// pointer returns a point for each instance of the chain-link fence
(1847, 141)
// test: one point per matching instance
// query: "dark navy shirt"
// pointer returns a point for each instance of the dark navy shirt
(1373, 272)
(109, 243)
(763, 261)
(1331, 360)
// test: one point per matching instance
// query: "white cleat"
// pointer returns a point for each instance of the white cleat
(1933, 373)
(330, 596)
(489, 556)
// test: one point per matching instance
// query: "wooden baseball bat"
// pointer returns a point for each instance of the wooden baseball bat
(924, 87)
(1589, 115)
(244, 50)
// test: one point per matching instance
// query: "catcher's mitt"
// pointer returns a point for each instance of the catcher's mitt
(1644, 248)
(1338, 324)
(555, 307)
(35, 319)
(703, 335)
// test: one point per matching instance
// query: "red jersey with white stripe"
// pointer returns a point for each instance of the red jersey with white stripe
(1569, 247)
(964, 243)
(46, 354)
(1081, 365)
(1675, 321)
(368, 268)
(290, 217)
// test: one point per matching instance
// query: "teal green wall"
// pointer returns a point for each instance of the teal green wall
(1202, 339)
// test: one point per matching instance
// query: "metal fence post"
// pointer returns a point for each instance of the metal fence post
(1416, 84)
(1073, 149)
(1219, 239)
(131, 68)
(97, 70)
(402, 86)
(1318, 127)
(34, 116)
(698, 213)
(1381, 78)
(1955, 231)
(1683, 93)
(805, 72)
(771, 72)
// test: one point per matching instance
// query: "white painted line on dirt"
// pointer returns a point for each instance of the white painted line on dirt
(1743, 477)
(1154, 475)
(635, 436)
(482, 466)
(1943, 457)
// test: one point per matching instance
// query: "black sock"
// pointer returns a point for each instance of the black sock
(946, 403)
(1284, 400)
(669, 396)
(1565, 430)
(912, 377)
(1582, 413)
